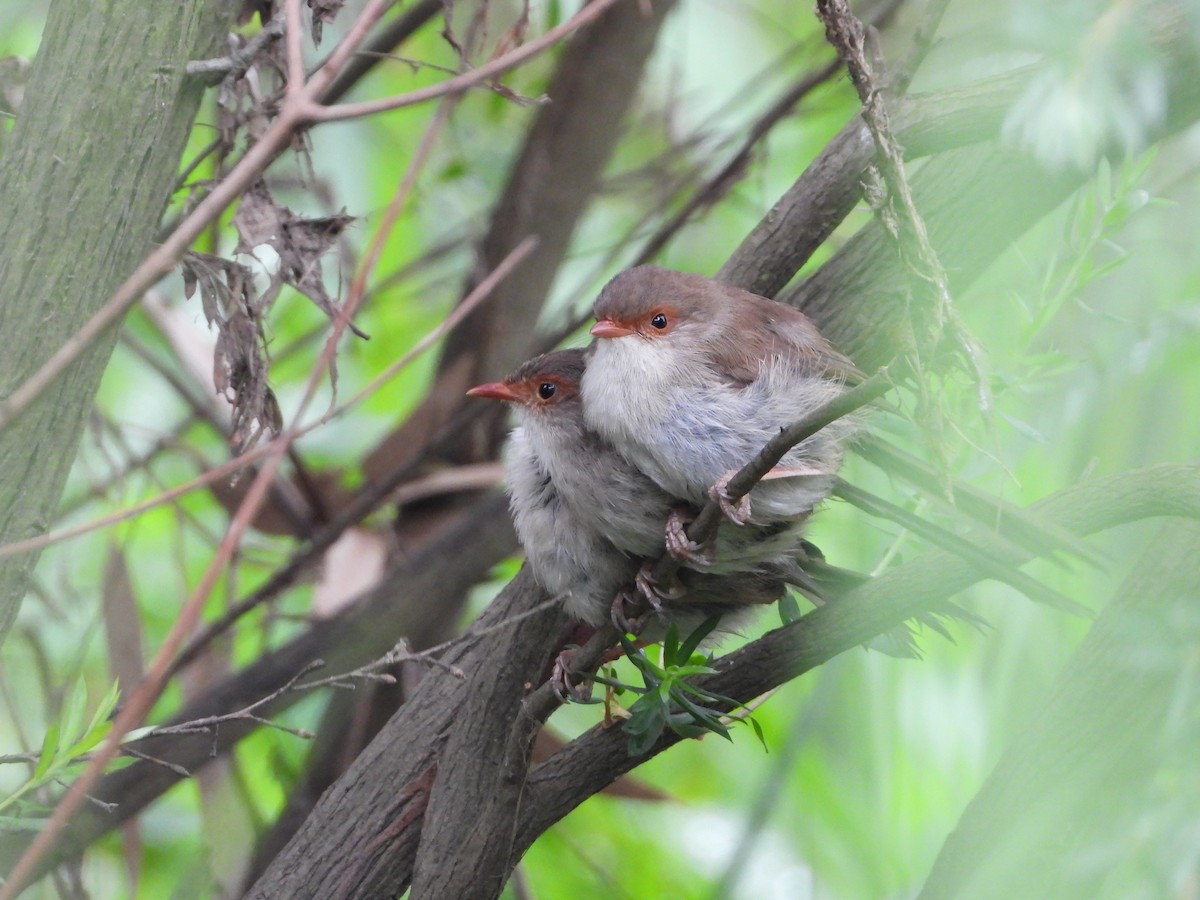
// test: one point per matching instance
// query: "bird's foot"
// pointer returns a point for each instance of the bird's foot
(565, 682)
(737, 512)
(683, 548)
(619, 613)
(656, 594)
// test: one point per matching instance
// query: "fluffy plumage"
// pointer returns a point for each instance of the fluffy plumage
(587, 517)
(689, 378)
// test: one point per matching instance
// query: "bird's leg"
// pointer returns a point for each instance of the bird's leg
(680, 546)
(562, 679)
(738, 513)
(561, 676)
(653, 592)
(622, 601)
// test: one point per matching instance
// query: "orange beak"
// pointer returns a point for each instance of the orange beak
(607, 328)
(495, 390)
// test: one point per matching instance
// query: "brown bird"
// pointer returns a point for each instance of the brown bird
(689, 378)
(586, 516)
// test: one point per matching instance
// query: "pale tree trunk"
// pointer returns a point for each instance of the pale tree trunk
(92, 162)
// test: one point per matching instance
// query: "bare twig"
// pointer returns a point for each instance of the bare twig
(469, 80)
(373, 671)
(240, 59)
(209, 722)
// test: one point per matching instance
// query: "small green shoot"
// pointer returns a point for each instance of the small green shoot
(666, 699)
(67, 743)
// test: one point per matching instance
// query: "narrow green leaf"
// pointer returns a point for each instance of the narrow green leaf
(74, 710)
(789, 609)
(90, 740)
(703, 630)
(49, 752)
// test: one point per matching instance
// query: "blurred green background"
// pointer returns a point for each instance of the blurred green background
(1091, 327)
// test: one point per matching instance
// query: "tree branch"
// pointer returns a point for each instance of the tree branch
(598, 756)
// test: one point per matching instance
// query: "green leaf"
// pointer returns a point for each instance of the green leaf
(789, 609)
(707, 717)
(703, 630)
(758, 732)
(97, 733)
(74, 710)
(670, 645)
(49, 752)
(644, 726)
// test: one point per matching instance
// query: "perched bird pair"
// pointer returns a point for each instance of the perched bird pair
(686, 381)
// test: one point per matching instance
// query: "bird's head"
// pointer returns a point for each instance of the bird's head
(545, 383)
(654, 304)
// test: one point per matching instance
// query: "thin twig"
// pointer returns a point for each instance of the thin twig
(247, 712)
(901, 218)
(372, 671)
(468, 80)
(239, 60)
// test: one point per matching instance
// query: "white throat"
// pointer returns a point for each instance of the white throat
(627, 386)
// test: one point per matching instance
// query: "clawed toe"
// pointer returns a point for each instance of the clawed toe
(653, 592)
(649, 594)
(561, 679)
(736, 512)
(617, 614)
(683, 548)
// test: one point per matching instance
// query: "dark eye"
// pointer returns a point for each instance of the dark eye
(546, 390)
(659, 320)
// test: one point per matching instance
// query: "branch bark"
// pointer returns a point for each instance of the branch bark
(93, 159)
(600, 755)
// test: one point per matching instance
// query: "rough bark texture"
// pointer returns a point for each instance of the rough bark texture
(1091, 751)
(373, 814)
(91, 165)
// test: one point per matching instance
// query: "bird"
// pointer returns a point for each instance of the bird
(688, 378)
(589, 519)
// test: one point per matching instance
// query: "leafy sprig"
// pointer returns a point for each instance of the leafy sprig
(667, 699)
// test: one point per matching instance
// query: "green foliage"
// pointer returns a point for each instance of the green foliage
(66, 744)
(667, 699)
(1092, 332)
